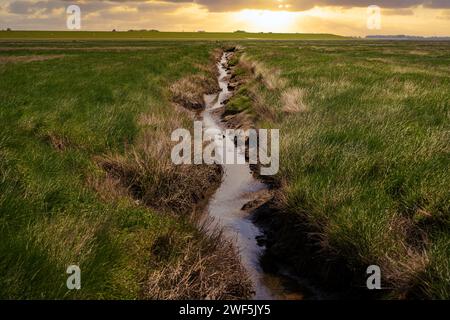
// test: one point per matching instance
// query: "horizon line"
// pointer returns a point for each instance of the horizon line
(227, 32)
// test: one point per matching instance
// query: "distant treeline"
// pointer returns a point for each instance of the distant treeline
(143, 30)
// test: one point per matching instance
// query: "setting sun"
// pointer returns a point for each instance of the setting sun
(210, 156)
(266, 20)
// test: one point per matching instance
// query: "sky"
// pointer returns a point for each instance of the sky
(344, 17)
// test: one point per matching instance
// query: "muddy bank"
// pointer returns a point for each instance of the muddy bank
(185, 262)
(280, 253)
(292, 248)
(231, 207)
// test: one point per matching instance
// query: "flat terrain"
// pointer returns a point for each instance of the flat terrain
(86, 178)
(365, 153)
(149, 35)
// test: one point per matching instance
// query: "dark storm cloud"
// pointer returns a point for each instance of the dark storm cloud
(45, 7)
(27, 7)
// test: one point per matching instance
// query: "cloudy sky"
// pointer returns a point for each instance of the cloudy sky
(345, 17)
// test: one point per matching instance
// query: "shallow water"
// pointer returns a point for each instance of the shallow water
(237, 189)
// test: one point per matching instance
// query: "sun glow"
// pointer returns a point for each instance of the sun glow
(266, 20)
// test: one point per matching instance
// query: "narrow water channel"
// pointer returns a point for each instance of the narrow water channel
(238, 188)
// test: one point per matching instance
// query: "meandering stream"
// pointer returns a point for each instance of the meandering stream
(238, 188)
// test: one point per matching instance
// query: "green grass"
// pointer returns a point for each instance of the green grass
(148, 35)
(367, 163)
(57, 206)
(239, 102)
(364, 161)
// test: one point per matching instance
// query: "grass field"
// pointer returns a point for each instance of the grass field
(364, 155)
(85, 176)
(149, 35)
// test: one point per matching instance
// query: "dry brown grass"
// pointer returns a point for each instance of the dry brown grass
(381, 60)
(405, 69)
(261, 106)
(208, 270)
(189, 91)
(293, 100)
(107, 187)
(31, 58)
(398, 89)
(403, 273)
(239, 121)
(270, 77)
(402, 267)
(152, 178)
(419, 52)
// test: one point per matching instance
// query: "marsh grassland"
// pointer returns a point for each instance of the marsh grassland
(364, 170)
(86, 176)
